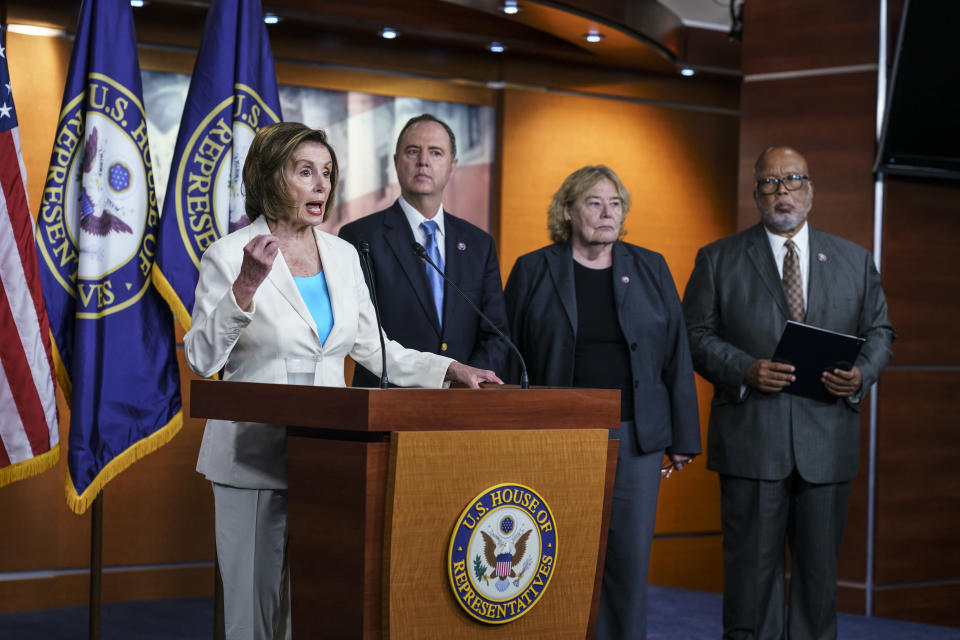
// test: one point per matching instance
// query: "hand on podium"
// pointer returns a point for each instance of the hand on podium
(470, 376)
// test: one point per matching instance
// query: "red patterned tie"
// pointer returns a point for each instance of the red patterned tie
(792, 282)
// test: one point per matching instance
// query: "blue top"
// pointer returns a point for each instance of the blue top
(314, 292)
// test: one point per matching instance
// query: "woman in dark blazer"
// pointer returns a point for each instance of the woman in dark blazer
(592, 311)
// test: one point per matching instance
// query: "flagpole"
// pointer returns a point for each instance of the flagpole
(96, 564)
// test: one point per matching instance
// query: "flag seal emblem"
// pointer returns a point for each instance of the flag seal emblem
(95, 239)
(502, 553)
(209, 177)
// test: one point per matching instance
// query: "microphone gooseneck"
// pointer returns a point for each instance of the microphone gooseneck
(363, 247)
(422, 254)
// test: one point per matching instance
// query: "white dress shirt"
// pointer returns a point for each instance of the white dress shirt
(414, 218)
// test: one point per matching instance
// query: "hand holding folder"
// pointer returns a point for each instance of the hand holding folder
(812, 350)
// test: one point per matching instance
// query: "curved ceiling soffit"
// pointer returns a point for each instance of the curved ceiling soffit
(637, 33)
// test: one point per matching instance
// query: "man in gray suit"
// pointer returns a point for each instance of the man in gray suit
(785, 461)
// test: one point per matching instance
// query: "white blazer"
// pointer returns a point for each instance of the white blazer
(252, 347)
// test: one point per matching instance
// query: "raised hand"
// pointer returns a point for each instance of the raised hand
(258, 257)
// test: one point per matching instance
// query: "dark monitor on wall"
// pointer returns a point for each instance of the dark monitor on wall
(921, 128)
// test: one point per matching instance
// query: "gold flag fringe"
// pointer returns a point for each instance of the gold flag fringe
(163, 286)
(28, 468)
(48, 459)
(80, 503)
(62, 378)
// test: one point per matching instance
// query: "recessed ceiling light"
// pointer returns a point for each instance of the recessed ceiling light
(497, 47)
(33, 30)
(388, 34)
(593, 36)
(687, 72)
(271, 18)
(137, 3)
(511, 7)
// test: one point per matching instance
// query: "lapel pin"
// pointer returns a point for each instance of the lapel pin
(462, 246)
(625, 279)
(821, 257)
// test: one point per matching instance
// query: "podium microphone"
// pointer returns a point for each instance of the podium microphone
(422, 253)
(363, 247)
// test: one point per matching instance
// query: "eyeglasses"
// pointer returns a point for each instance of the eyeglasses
(768, 186)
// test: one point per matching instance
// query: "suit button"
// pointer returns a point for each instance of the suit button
(636, 384)
(633, 346)
(443, 346)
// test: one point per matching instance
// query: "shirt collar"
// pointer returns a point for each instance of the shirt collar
(414, 217)
(801, 239)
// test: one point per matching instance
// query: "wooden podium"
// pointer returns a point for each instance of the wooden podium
(379, 478)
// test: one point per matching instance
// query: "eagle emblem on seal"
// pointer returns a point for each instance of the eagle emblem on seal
(90, 221)
(503, 553)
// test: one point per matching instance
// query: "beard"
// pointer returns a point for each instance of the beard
(783, 222)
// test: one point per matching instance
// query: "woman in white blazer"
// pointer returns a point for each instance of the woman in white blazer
(270, 294)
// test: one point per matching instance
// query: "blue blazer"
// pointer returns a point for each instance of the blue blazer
(403, 293)
(542, 308)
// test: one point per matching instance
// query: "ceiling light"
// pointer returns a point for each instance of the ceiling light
(388, 34)
(497, 47)
(593, 36)
(271, 18)
(687, 72)
(137, 3)
(510, 7)
(33, 30)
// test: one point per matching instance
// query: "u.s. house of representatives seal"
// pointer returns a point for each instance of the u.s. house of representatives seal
(98, 215)
(208, 196)
(502, 553)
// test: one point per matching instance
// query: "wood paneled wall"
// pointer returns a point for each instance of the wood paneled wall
(918, 480)
(680, 169)
(678, 162)
(810, 81)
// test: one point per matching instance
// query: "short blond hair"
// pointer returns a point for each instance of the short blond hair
(264, 186)
(576, 184)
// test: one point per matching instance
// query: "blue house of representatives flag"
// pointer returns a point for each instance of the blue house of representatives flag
(233, 94)
(97, 227)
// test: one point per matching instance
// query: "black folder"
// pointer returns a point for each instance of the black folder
(812, 350)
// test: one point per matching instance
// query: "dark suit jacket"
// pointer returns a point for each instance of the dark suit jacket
(736, 311)
(542, 307)
(403, 293)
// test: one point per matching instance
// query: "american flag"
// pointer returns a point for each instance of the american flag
(29, 436)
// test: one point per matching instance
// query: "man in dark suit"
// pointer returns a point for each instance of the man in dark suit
(417, 309)
(785, 461)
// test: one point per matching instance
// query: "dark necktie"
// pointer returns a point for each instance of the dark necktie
(436, 282)
(793, 283)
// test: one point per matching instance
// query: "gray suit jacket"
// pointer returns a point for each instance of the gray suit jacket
(736, 310)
